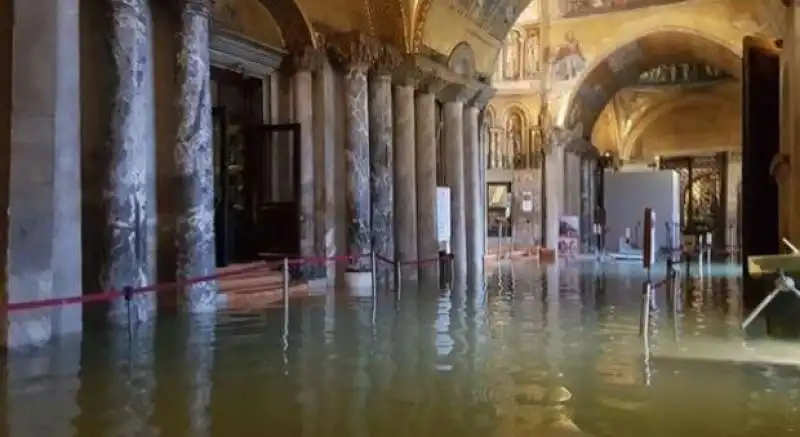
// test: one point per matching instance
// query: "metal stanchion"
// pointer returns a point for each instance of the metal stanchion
(285, 336)
(644, 317)
(373, 274)
(499, 238)
(398, 276)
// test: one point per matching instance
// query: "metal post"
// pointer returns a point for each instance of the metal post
(644, 317)
(398, 276)
(286, 285)
(373, 274)
(499, 238)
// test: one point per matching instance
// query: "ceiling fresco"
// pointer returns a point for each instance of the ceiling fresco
(493, 16)
(581, 8)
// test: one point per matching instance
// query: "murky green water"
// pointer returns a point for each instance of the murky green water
(545, 355)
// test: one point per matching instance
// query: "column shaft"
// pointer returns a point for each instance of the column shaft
(454, 144)
(405, 178)
(554, 194)
(357, 169)
(425, 148)
(301, 89)
(381, 146)
(194, 156)
(129, 195)
(323, 115)
(42, 163)
(472, 183)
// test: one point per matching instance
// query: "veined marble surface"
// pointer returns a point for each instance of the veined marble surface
(357, 169)
(130, 192)
(194, 159)
(382, 165)
(405, 178)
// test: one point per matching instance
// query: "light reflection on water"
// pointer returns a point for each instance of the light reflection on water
(550, 353)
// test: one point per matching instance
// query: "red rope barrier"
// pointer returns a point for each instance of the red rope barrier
(109, 295)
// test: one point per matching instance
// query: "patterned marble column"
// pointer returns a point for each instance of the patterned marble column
(381, 145)
(473, 207)
(325, 138)
(425, 149)
(554, 193)
(405, 176)
(194, 159)
(354, 53)
(454, 152)
(130, 191)
(302, 62)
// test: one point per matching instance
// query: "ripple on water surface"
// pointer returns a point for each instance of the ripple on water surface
(541, 352)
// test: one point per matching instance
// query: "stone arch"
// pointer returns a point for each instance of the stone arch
(491, 115)
(621, 67)
(294, 25)
(658, 111)
(389, 21)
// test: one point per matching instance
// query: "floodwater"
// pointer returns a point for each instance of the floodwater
(539, 353)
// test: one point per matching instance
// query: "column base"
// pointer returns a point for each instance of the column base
(358, 284)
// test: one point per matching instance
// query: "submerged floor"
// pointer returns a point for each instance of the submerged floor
(540, 353)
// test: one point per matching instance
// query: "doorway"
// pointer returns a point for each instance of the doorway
(498, 198)
(256, 174)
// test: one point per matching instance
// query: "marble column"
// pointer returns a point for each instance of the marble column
(194, 159)
(41, 156)
(472, 185)
(425, 150)
(354, 53)
(129, 194)
(405, 177)
(454, 152)
(303, 61)
(324, 116)
(554, 193)
(381, 154)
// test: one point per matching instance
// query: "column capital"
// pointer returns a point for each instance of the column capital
(408, 74)
(454, 92)
(306, 58)
(386, 61)
(199, 7)
(482, 96)
(429, 83)
(353, 51)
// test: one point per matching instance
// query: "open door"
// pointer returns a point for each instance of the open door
(760, 143)
(272, 186)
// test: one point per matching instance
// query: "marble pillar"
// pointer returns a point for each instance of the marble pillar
(454, 152)
(473, 188)
(425, 149)
(554, 193)
(129, 195)
(381, 156)
(405, 177)
(42, 163)
(354, 54)
(194, 160)
(324, 132)
(303, 62)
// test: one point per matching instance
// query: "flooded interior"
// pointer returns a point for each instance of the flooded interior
(542, 352)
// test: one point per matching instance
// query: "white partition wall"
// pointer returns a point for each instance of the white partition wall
(628, 193)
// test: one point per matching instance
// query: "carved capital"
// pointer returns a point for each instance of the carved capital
(352, 51)
(482, 96)
(456, 92)
(407, 74)
(387, 60)
(306, 58)
(430, 83)
(199, 7)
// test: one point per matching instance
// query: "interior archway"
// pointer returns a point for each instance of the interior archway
(623, 66)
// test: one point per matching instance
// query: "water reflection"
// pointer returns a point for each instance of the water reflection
(542, 351)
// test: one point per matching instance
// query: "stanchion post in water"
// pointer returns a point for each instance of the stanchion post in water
(644, 318)
(709, 238)
(373, 274)
(499, 237)
(398, 275)
(286, 284)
